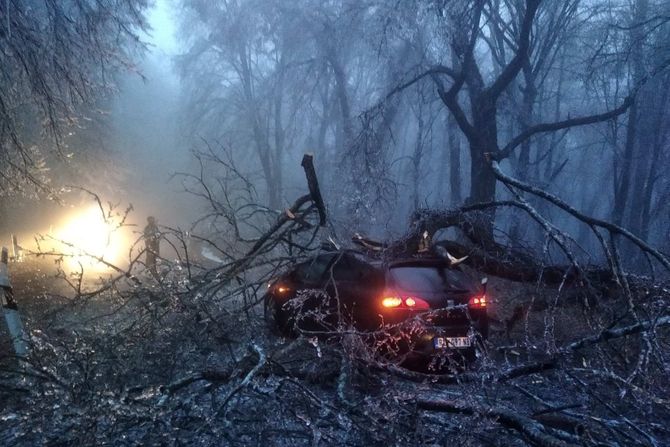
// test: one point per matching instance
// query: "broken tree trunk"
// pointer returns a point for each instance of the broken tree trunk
(296, 214)
(491, 258)
(313, 184)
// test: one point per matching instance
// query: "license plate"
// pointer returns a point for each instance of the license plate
(451, 342)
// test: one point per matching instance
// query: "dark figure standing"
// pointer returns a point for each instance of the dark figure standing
(152, 238)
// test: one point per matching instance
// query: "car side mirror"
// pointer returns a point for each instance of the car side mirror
(485, 281)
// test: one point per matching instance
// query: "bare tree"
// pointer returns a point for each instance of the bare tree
(468, 77)
(56, 56)
(245, 64)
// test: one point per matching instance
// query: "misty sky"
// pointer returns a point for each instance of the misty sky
(163, 29)
(147, 129)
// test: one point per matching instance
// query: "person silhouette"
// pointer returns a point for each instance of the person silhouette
(152, 236)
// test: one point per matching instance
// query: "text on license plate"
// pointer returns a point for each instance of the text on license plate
(451, 342)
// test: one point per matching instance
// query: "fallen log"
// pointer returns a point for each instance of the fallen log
(519, 267)
(533, 431)
(492, 258)
(488, 256)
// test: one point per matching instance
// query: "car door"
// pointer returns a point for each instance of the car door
(307, 292)
(352, 282)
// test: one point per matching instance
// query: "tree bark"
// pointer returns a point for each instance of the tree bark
(416, 159)
(483, 180)
(260, 136)
(341, 92)
(526, 120)
(454, 142)
(647, 168)
(622, 189)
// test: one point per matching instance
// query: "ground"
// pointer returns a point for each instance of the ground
(179, 363)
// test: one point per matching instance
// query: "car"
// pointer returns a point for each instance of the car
(425, 306)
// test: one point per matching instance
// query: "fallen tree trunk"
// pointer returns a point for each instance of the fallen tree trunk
(533, 431)
(490, 257)
(495, 259)
(512, 266)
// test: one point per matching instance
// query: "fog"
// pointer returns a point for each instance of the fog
(354, 86)
(343, 222)
(126, 150)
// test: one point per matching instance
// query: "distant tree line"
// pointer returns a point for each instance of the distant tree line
(58, 60)
(406, 103)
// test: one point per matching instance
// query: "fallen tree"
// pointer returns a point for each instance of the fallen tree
(192, 351)
(504, 261)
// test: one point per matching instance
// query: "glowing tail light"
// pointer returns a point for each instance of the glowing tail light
(406, 302)
(392, 301)
(416, 303)
(478, 302)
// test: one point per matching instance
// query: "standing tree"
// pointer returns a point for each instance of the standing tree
(241, 64)
(467, 78)
(56, 56)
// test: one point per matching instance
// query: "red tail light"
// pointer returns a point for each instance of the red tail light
(416, 303)
(477, 302)
(405, 302)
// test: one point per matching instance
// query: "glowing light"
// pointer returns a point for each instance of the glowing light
(391, 301)
(478, 301)
(282, 289)
(405, 302)
(416, 303)
(87, 239)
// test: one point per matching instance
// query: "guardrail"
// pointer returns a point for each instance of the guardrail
(10, 309)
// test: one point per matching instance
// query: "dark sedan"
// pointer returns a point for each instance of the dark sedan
(425, 305)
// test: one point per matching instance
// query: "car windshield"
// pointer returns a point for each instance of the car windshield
(429, 279)
(312, 270)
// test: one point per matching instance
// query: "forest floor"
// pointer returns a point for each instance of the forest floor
(150, 366)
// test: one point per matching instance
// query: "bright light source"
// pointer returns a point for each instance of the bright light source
(406, 302)
(283, 289)
(478, 301)
(416, 303)
(391, 301)
(88, 238)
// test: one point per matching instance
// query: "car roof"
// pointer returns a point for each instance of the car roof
(423, 261)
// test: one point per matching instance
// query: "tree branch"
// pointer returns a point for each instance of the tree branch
(565, 124)
(449, 100)
(512, 69)
(612, 228)
(530, 429)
